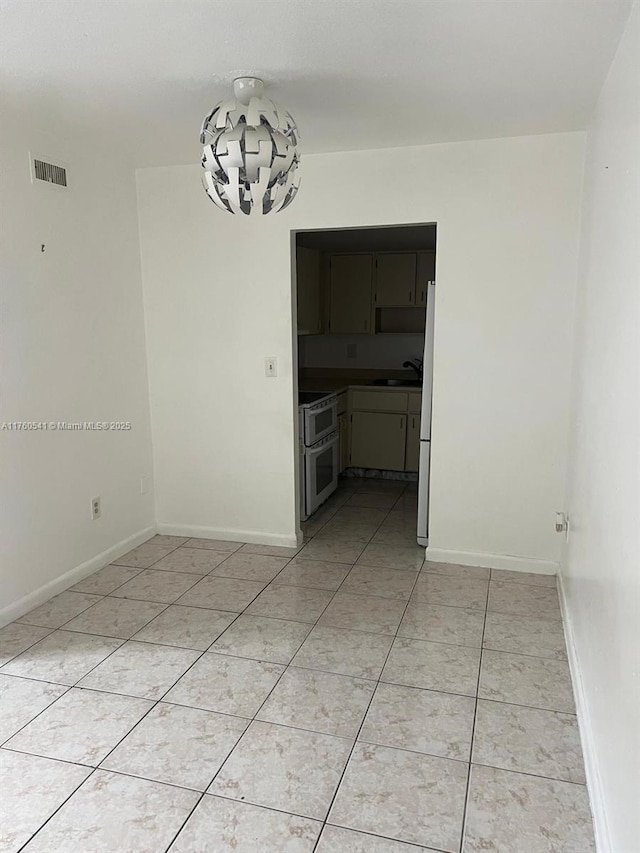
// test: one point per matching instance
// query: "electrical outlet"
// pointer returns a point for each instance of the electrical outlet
(96, 508)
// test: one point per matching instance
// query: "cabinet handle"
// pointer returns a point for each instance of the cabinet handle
(410, 296)
(366, 323)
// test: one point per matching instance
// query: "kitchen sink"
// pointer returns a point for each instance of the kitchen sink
(398, 383)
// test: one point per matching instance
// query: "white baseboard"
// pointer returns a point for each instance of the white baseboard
(594, 781)
(493, 561)
(73, 576)
(254, 537)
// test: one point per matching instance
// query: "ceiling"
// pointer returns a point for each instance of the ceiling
(139, 75)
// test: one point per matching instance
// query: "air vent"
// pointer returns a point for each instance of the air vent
(48, 172)
(45, 173)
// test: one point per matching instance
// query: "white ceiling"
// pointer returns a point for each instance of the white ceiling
(140, 74)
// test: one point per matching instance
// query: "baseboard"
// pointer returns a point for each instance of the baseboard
(73, 576)
(594, 781)
(254, 537)
(493, 561)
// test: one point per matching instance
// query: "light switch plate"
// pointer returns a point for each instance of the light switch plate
(271, 367)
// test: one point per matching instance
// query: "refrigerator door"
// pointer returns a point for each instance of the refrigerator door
(427, 365)
(423, 493)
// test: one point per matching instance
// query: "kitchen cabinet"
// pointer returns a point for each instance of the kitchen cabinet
(378, 440)
(395, 280)
(425, 272)
(350, 294)
(412, 451)
(308, 290)
(343, 427)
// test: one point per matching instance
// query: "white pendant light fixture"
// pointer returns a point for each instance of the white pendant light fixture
(250, 154)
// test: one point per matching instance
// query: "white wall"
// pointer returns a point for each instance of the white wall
(73, 350)
(385, 352)
(600, 579)
(218, 300)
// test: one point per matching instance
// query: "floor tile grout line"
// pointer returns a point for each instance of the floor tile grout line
(13, 657)
(362, 722)
(473, 731)
(4, 743)
(52, 815)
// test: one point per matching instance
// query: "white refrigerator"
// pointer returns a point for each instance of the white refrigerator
(425, 420)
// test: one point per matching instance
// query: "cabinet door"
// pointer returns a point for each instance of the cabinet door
(412, 456)
(350, 287)
(426, 272)
(343, 426)
(395, 280)
(308, 278)
(378, 440)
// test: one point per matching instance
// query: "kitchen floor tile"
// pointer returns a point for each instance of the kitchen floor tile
(32, 789)
(542, 638)
(316, 574)
(62, 657)
(22, 699)
(177, 745)
(226, 684)
(386, 583)
(403, 795)
(166, 541)
(213, 544)
(318, 701)
(527, 578)
(520, 600)
(17, 638)
(222, 594)
(111, 812)
(261, 638)
(451, 591)
(528, 740)
(286, 769)
(524, 680)
(164, 587)
(409, 557)
(140, 669)
(399, 534)
(271, 550)
(334, 839)
(344, 651)
(290, 602)
(510, 811)
(226, 826)
(145, 555)
(440, 624)
(187, 627)
(195, 561)
(59, 609)
(115, 617)
(346, 531)
(420, 720)
(250, 567)
(364, 613)
(433, 666)
(374, 500)
(104, 581)
(454, 570)
(331, 552)
(82, 726)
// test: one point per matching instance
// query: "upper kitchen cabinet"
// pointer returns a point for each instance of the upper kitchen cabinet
(350, 294)
(426, 272)
(309, 292)
(395, 285)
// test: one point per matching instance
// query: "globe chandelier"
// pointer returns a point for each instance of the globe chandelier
(251, 154)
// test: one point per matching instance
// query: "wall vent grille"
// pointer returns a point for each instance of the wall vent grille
(49, 173)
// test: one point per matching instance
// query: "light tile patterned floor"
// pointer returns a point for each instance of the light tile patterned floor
(204, 696)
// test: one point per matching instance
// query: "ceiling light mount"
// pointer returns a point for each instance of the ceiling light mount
(251, 153)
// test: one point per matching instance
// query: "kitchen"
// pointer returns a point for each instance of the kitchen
(365, 316)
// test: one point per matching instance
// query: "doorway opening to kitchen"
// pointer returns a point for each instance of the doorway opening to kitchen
(364, 309)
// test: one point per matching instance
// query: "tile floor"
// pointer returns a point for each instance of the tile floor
(345, 697)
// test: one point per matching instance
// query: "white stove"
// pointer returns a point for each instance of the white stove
(319, 444)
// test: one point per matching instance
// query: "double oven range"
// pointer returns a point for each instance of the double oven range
(319, 444)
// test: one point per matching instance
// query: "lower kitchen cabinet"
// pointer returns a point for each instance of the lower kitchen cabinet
(412, 453)
(343, 427)
(378, 440)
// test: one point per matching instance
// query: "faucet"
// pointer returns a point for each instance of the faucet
(415, 365)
